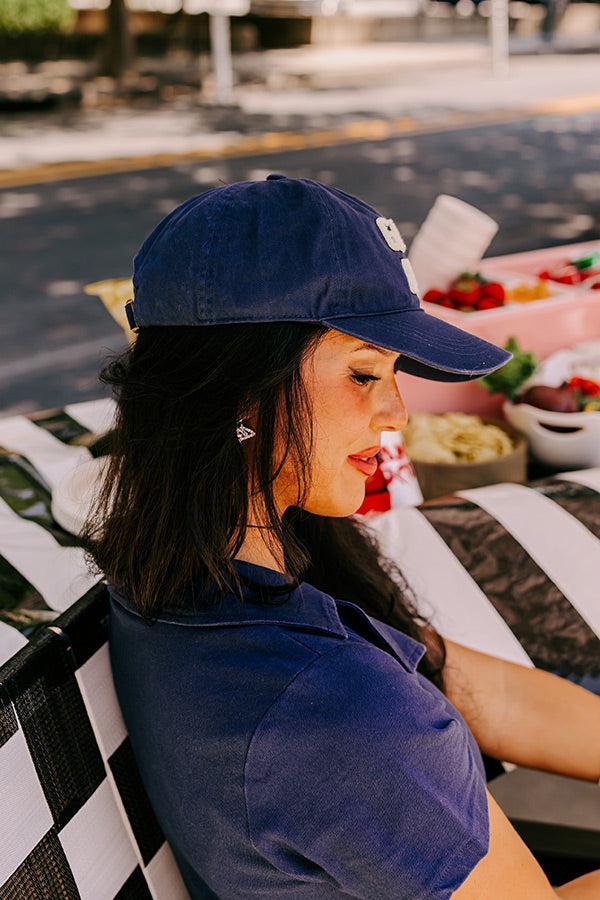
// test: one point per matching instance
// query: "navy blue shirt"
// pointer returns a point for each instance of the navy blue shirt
(294, 751)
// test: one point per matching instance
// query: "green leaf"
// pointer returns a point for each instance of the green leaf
(508, 379)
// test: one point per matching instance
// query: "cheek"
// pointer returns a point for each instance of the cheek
(351, 401)
(342, 418)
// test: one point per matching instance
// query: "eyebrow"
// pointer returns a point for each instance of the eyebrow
(367, 346)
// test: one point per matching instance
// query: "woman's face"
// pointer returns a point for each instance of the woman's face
(355, 396)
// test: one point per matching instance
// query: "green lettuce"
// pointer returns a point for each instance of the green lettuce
(509, 378)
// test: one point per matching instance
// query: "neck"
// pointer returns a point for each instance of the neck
(255, 548)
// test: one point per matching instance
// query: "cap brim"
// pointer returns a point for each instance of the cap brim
(429, 347)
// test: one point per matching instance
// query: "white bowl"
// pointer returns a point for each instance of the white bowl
(578, 449)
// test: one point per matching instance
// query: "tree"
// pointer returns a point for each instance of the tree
(118, 51)
(21, 16)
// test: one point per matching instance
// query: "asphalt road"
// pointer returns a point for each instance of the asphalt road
(538, 178)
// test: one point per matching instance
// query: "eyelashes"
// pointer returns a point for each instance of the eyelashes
(362, 378)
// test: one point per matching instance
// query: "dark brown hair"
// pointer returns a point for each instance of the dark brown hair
(173, 507)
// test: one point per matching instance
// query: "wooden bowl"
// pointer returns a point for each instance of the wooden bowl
(441, 479)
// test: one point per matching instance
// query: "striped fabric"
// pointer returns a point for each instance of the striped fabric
(509, 569)
(42, 569)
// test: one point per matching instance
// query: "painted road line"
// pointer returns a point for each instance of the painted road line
(287, 141)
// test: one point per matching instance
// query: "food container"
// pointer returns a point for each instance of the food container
(510, 280)
(535, 261)
(453, 237)
(441, 479)
(577, 446)
(561, 439)
(542, 326)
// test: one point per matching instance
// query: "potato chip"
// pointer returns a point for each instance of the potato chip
(429, 451)
(454, 437)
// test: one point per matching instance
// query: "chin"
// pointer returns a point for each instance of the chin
(337, 507)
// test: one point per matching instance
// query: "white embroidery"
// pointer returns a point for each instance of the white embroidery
(410, 274)
(390, 232)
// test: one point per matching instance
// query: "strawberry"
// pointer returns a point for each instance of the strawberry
(586, 385)
(486, 303)
(433, 296)
(566, 275)
(465, 282)
(493, 290)
(448, 303)
(465, 293)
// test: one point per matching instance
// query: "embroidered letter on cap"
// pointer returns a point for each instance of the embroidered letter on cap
(390, 232)
(410, 274)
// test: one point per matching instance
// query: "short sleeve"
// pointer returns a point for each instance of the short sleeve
(360, 777)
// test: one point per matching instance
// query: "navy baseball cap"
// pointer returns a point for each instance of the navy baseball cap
(296, 250)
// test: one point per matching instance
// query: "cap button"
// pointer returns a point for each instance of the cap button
(274, 175)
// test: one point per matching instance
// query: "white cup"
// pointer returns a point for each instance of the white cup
(398, 471)
(451, 240)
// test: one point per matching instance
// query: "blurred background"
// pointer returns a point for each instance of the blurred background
(112, 112)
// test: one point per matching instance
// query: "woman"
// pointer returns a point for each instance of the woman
(285, 702)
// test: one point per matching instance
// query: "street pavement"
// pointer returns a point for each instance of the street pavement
(428, 85)
(80, 190)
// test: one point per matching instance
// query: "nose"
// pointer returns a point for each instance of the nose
(391, 414)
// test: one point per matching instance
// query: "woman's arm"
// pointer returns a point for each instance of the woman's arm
(524, 715)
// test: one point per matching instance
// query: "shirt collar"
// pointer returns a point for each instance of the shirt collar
(303, 606)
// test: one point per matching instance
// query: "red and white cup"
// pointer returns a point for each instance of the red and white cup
(395, 482)
(398, 471)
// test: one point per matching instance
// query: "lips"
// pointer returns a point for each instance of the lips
(369, 451)
(365, 461)
(368, 467)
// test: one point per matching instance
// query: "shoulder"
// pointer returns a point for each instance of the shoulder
(356, 690)
(359, 765)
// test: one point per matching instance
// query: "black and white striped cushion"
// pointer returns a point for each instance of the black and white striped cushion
(42, 569)
(75, 820)
(509, 570)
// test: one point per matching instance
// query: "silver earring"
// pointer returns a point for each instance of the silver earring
(243, 432)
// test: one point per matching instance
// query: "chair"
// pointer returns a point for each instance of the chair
(75, 819)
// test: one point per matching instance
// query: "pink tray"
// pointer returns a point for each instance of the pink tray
(541, 326)
(535, 260)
